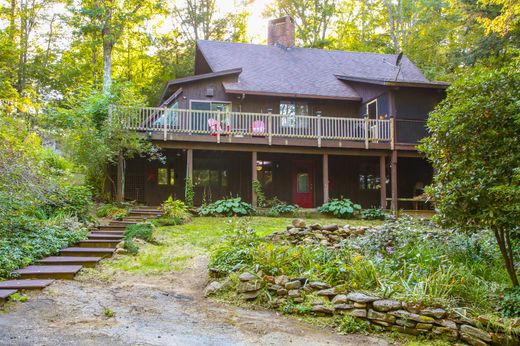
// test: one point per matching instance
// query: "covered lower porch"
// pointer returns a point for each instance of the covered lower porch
(306, 179)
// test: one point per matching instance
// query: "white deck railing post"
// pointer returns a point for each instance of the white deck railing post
(218, 126)
(366, 132)
(318, 115)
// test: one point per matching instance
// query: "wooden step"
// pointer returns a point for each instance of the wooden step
(25, 284)
(104, 236)
(88, 251)
(64, 272)
(5, 293)
(112, 228)
(121, 223)
(87, 262)
(99, 243)
(118, 233)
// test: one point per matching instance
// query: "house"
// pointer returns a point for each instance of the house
(309, 124)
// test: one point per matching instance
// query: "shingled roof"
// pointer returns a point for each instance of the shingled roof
(304, 72)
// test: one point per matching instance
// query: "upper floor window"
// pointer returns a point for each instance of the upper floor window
(290, 109)
(372, 110)
(210, 106)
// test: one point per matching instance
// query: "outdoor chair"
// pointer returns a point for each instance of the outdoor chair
(258, 129)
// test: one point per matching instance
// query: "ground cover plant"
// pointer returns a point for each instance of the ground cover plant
(175, 213)
(410, 260)
(112, 211)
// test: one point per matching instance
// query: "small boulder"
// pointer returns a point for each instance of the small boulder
(251, 295)
(327, 292)
(340, 299)
(315, 226)
(434, 312)
(212, 288)
(385, 305)
(475, 332)
(294, 293)
(292, 285)
(281, 280)
(318, 285)
(293, 231)
(298, 223)
(331, 228)
(244, 277)
(249, 286)
(322, 309)
(360, 297)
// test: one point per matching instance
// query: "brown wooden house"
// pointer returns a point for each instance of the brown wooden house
(309, 124)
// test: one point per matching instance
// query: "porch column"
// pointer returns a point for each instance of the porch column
(325, 178)
(394, 182)
(189, 163)
(254, 176)
(382, 177)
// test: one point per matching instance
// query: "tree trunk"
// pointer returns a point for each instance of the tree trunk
(120, 193)
(107, 65)
(504, 243)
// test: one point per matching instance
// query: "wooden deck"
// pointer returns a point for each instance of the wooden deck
(257, 128)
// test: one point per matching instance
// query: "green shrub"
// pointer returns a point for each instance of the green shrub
(176, 209)
(282, 208)
(73, 200)
(510, 304)
(341, 208)
(373, 214)
(227, 207)
(131, 246)
(142, 231)
(111, 211)
(236, 250)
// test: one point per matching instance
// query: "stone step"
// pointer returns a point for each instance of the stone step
(104, 236)
(64, 272)
(5, 293)
(87, 262)
(99, 243)
(88, 251)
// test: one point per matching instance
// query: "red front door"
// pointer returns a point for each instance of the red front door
(303, 183)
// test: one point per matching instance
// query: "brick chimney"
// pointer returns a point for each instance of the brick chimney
(280, 31)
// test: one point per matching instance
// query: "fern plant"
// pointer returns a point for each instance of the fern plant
(189, 192)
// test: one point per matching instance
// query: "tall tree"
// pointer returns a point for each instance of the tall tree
(108, 20)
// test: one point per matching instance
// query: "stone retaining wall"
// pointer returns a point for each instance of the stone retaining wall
(390, 314)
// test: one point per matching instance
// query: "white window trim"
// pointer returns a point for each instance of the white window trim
(377, 107)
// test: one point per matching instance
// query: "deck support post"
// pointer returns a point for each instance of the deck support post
(394, 183)
(254, 177)
(189, 163)
(325, 178)
(382, 180)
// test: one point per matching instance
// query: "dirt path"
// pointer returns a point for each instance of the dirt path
(152, 310)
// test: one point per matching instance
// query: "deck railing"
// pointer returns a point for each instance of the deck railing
(241, 124)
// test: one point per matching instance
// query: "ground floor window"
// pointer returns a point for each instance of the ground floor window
(369, 182)
(165, 176)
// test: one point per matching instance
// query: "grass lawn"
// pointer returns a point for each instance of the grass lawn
(178, 244)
